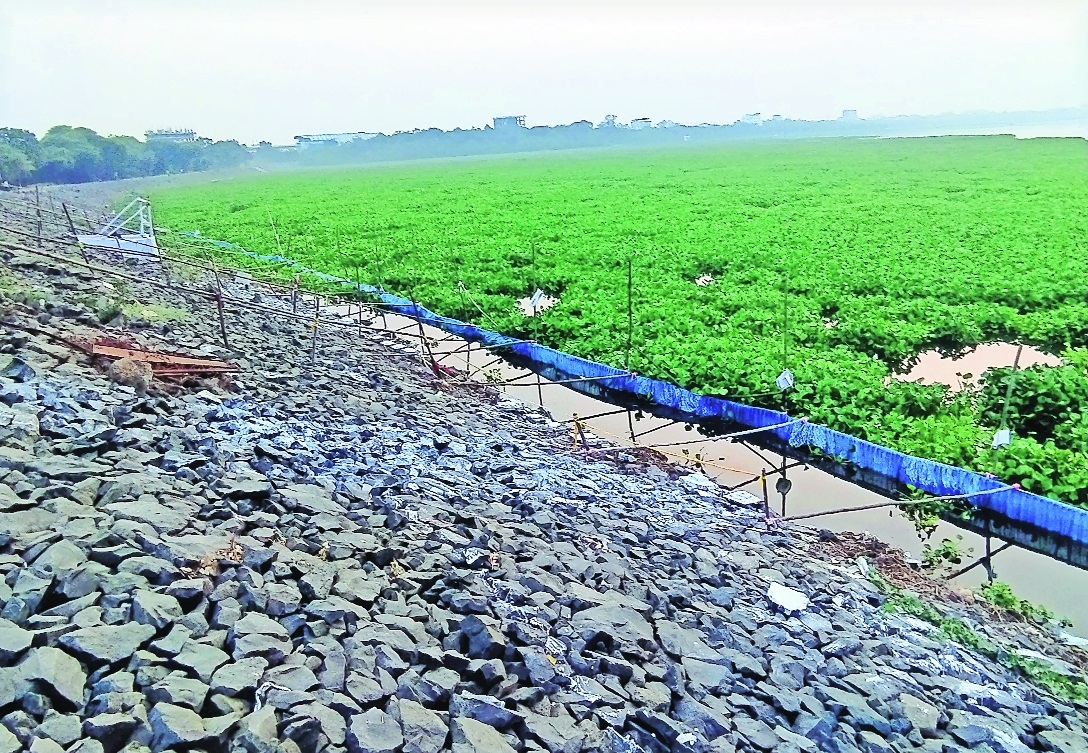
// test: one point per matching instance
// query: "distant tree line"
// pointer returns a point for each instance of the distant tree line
(79, 155)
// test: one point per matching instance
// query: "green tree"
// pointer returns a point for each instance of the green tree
(15, 166)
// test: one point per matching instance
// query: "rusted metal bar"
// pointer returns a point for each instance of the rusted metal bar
(317, 320)
(766, 497)
(657, 428)
(38, 206)
(219, 303)
(979, 561)
(575, 417)
(75, 235)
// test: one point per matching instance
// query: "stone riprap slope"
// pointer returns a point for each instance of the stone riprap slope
(356, 556)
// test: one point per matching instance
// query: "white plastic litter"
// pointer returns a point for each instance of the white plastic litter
(742, 497)
(698, 481)
(1001, 438)
(863, 566)
(785, 380)
(786, 598)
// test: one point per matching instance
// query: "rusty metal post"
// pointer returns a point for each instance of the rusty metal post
(38, 207)
(219, 303)
(766, 497)
(75, 235)
(313, 342)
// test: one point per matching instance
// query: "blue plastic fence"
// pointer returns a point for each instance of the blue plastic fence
(928, 475)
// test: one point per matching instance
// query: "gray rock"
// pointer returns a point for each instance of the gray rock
(684, 643)
(257, 732)
(237, 677)
(173, 726)
(110, 726)
(179, 691)
(423, 730)
(64, 728)
(1062, 741)
(9, 743)
(490, 711)
(557, 734)
(283, 599)
(202, 659)
(616, 623)
(296, 677)
(485, 639)
(13, 641)
(108, 643)
(471, 736)
(61, 557)
(61, 674)
(922, 716)
(158, 516)
(713, 678)
(756, 732)
(157, 610)
(374, 731)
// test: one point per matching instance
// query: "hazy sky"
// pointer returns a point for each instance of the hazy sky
(270, 69)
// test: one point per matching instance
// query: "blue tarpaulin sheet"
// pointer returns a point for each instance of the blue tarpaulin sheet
(928, 475)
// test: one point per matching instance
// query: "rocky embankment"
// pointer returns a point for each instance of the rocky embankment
(357, 555)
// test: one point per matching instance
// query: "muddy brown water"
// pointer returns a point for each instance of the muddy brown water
(1035, 577)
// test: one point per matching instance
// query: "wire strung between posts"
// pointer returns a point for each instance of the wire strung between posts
(677, 455)
(558, 381)
(902, 503)
(733, 435)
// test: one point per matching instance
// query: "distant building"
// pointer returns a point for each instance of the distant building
(775, 118)
(171, 134)
(849, 115)
(315, 139)
(639, 124)
(753, 118)
(509, 121)
(666, 124)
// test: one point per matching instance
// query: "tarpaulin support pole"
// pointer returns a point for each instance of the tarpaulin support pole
(784, 490)
(631, 426)
(989, 554)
